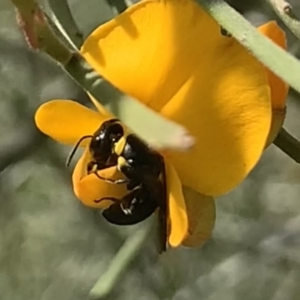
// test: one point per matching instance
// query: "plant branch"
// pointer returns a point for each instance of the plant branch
(275, 58)
(120, 263)
(37, 31)
(62, 16)
(288, 144)
(285, 12)
(117, 6)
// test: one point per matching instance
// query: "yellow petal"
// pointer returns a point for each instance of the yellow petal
(176, 205)
(230, 121)
(201, 213)
(137, 54)
(67, 121)
(88, 188)
(278, 117)
(279, 89)
(195, 76)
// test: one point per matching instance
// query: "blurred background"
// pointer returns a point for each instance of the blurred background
(52, 247)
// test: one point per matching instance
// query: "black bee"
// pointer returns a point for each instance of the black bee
(144, 172)
(100, 146)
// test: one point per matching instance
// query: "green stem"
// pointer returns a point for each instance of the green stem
(117, 6)
(120, 263)
(288, 144)
(60, 11)
(275, 58)
(285, 12)
(37, 31)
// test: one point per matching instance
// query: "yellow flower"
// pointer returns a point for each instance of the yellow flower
(67, 121)
(170, 55)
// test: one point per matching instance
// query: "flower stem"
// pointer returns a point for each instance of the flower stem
(120, 263)
(285, 12)
(61, 12)
(288, 144)
(37, 31)
(117, 6)
(275, 58)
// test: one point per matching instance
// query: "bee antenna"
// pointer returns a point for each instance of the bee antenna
(72, 153)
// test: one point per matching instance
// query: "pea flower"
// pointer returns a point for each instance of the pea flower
(171, 56)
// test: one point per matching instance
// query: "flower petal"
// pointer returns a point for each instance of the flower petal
(230, 125)
(150, 56)
(279, 89)
(176, 206)
(201, 213)
(67, 121)
(195, 76)
(88, 188)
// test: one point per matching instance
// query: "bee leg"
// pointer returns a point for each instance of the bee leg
(112, 181)
(133, 208)
(107, 198)
(126, 204)
(133, 184)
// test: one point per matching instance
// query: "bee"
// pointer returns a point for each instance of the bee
(100, 146)
(144, 172)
